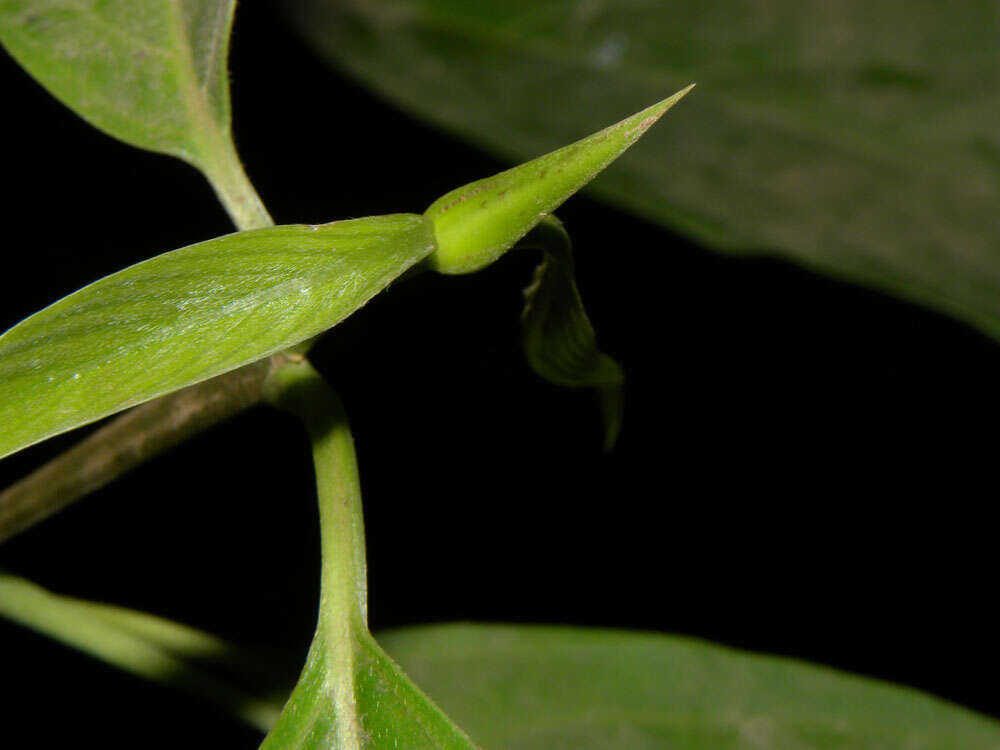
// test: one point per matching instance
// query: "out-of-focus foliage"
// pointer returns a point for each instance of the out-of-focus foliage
(857, 138)
(239, 680)
(536, 687)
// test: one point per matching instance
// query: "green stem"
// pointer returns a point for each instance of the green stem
(295, 386)
(235, 190)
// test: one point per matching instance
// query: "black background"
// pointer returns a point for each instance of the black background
(806, 468)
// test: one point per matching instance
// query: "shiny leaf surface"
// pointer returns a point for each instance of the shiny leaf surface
(190, 314)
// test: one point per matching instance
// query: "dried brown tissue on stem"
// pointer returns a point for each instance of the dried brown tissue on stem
(126, 442)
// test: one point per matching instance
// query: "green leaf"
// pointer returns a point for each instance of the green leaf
(150, 647)
(856, 138)
(190, 314)
(559, 340)
(152, 74)
(388, 711)
(549, 687)
(476, 223)
(350, 694)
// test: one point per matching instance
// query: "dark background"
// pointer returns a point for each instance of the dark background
(806, 468)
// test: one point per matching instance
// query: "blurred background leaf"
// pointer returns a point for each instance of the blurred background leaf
(538, 687)
(248, 683)
(858, 139)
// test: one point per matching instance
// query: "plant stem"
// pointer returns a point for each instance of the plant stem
(234, 189)
(295, 386)
(343, 611)
(126, 442)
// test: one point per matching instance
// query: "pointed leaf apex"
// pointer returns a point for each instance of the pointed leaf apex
(650, 115)
(479, 222)
(636, 125)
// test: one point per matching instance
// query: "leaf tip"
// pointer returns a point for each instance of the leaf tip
(653, 113)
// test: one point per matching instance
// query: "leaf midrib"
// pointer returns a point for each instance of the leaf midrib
(201, 119)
